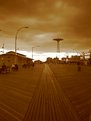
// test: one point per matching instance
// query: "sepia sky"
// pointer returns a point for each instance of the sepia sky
(46, 19)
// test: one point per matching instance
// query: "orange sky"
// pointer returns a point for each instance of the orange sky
(47, 19)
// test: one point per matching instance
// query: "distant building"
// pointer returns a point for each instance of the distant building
(63, 60)
(56, 60)
(53, 60)
(49, 60)
(38, 62)
(74, 59)
(9, 58)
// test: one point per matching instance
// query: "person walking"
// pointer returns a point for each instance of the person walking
(78, 66)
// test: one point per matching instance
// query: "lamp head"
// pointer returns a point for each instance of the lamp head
(26, 27)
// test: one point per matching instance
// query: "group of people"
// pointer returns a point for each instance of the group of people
(14, 67)
(5, 69)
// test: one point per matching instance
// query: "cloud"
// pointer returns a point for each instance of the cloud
(70, 18)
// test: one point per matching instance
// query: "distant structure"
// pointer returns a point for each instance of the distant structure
(58, 43)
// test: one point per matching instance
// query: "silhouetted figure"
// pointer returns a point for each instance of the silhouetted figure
(16, 67)
(13, 67)
(79, 66)
(4, 68)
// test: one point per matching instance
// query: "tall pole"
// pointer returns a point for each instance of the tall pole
(17, 35)
(33, 50)
(16, 39)
(3, 48)
(3, 43)
(58, 47)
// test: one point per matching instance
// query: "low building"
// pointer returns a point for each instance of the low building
(74, 59)
(38, 62)
(11, 58)
(53, 60)
(49, 60)
(56, 60)
(63, 60)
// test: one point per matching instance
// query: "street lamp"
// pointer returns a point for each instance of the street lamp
(3, 48)
(16, 39)
(16, 36)
(3, 43)
(33, 49)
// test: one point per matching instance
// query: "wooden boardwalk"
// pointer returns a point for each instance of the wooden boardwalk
(46, 93)
(76, 86)
(49, 103)
(16, 91)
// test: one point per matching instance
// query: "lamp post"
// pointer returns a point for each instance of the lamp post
(16, 39)
(3, 43)
(16, 36)
(33, 50)
(3, 48)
